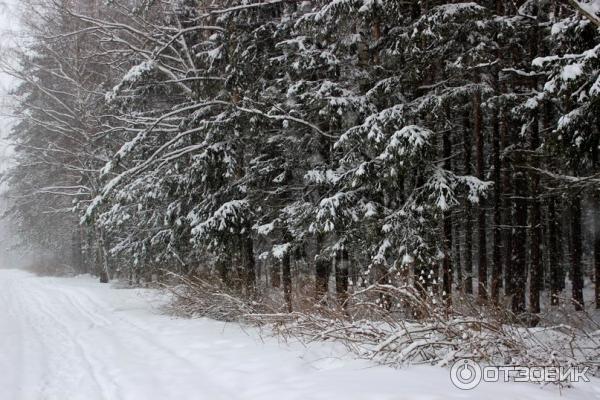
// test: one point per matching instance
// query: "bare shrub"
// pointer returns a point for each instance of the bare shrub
(202, 296)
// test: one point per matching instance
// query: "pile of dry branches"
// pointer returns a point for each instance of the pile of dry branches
(489, 335)
(413, 330)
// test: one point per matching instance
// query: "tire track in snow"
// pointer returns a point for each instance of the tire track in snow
(42, 303)
(147, 336)
(67, 308)
(14, 311)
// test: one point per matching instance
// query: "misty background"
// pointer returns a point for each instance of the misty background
(9, 34)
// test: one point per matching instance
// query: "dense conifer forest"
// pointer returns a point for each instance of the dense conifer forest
(311, 149)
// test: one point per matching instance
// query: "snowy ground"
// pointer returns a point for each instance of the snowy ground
(67, 339)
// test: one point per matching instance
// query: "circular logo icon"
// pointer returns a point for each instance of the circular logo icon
(465, 374)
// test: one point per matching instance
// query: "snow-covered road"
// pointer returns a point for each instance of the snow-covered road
(72, 338)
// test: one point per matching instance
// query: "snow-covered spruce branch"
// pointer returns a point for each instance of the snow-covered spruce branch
(156, 156)
(586, 9)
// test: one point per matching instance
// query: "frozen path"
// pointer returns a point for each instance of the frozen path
(67, 339)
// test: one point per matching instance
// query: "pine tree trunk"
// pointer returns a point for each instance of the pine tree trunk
(322, 271)
(376, 35)
(88, 250)
(497, 246)
(275, 275)
(535, 272)
(468, 224)
(286, 277)
(341, 276)
(597, 268)
(519, 270)
(507, 205)
(482, 250)
(77, 252)
(554, 254)
(223, 265)
(535, 279)
(447, 261)
(596, 164)
(576, 250)
(447, 232)
(249, 268)
(103, 257)
(499, 6)
(456, 257)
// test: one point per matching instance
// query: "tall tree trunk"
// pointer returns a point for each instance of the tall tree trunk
(286, 277)
(447, 261)
(322, 267)
(447, 231)
(376, 35)
(468, 222)
(554, 253)
(482, 250)
(275, 275)
(322, 271)
(597, 267)
(535, 271)
(595, 164)
(249, 267)
(88, 250)
(507, 204)
(341, 276)
(223, 266)
(456, 256)
(77, 252)
(535, 278)
(497, 244)
(555, 272)
(576, 249)
(499, 5)
(519, 270)
(103, 249)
